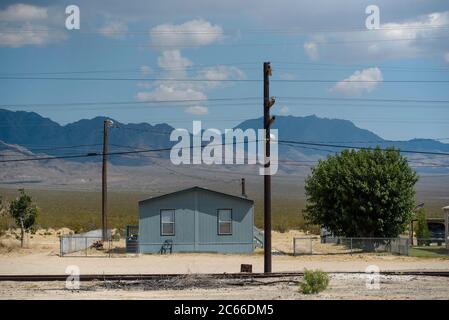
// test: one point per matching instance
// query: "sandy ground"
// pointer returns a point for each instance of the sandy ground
(340, 287)
(42, 257)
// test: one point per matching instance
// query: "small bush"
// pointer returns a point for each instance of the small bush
(422, 229)
(315, 281)
(281, 227)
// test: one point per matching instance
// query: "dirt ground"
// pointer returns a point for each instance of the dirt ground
(341, 286)
(42, 257)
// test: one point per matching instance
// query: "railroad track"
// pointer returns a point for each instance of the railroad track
(137, 277)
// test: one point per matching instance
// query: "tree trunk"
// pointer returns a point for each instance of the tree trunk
(22, 233)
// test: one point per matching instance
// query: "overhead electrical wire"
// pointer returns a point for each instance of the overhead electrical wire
(279, 65)
(339, 146)
(287, 142)
(214, 100)
(292, 30)
(294, 44)
(220, 80)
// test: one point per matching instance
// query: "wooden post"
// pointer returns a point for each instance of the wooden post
(267, 176)
(104, 183)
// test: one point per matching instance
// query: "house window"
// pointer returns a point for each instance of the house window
(224, 221)
(167, 222)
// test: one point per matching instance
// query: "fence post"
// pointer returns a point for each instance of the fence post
(294, 246)
(351, 246)
(311, 239)
(85, 238)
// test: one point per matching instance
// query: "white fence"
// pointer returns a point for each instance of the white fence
(79, 242)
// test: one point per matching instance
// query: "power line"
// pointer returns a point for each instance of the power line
(138, 69)
(209, 100)
(131, 102)
(287, 142)
(294, 44)
(358, 148)
(308, 29)
(242, 65)
(221, 80)
(321, 64)
(95, 154)
(363, 99)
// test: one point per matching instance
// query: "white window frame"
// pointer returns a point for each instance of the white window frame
(172, 211)
(219, 222)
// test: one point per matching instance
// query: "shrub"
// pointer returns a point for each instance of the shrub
(281, 227)
(315, 281)
(365, 193)
(422, 230)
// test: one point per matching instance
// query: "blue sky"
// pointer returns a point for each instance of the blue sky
(229, 40)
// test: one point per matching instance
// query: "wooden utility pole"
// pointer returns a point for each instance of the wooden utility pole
(104, 183)
(267, 120)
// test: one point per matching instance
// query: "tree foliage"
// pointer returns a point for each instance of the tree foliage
(24, 213)
(3, 208)
(365, 193)
(422, 229)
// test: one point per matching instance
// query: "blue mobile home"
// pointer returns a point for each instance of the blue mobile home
(196, 220)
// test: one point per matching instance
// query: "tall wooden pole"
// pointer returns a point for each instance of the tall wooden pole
(104, 184)
(267, 176)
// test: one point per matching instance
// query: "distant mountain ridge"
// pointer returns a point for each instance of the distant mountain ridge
(42, 135)
(312, 128)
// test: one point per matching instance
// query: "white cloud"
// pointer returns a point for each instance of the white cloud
(219, 73)
(114, 29)
(446, 57)
(194, 33)
(29, 34)
(164, 92)
(197, 110)
(22, 24)
(311, 50)
(174, 65)
(23, 12)
(284, 110)
(418, 37)
(172, 59)
(350, 86)
(146, 70)
(222, 73)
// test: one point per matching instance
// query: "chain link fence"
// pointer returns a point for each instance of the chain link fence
(91, 244)
(341, 245)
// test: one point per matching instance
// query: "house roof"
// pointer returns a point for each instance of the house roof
(195, 188)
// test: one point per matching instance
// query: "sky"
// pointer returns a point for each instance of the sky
(393, 81)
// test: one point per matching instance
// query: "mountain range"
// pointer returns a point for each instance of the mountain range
(41, 135)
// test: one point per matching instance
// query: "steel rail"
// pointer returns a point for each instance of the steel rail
(139, 277)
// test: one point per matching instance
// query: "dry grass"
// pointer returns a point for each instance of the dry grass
(80, 211)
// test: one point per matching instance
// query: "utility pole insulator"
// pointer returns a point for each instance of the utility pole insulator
(271, 102)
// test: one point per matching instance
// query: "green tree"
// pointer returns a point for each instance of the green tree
(24, 213)
(422, 229)
(365, 193)
(3, 215)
